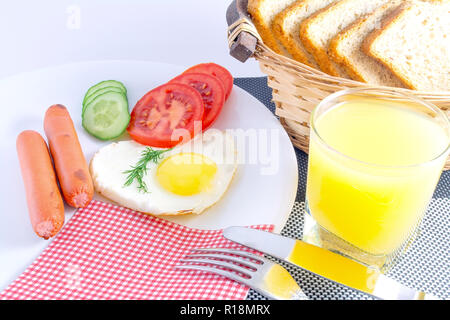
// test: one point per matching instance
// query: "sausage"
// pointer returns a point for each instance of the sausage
(70, 164)
(45, 204)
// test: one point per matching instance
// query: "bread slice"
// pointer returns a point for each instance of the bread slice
(286, 27)
(263, 12)
(317, 31)
(414, 43)
(345, 49)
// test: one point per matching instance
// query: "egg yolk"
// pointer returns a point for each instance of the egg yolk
(186, 174)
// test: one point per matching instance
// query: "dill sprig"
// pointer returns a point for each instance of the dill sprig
(138, 171)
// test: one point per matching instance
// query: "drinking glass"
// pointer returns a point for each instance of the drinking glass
(365, 198)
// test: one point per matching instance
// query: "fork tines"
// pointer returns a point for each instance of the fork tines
(235, 264)
(247, 268)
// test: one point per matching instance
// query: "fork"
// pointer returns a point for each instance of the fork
(264, 276)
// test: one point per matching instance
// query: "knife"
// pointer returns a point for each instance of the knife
(324, 263)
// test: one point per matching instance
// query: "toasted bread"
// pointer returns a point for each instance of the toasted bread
(286, 27)
(345, 49)
(317, 31)
(414, 44)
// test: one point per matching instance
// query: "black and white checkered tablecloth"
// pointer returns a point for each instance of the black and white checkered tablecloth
(426, 266)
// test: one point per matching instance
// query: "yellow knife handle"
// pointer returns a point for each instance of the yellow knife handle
(334, 266)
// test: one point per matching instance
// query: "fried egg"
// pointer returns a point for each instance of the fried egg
(187, 179)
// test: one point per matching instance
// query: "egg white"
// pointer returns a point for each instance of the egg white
(109, 163)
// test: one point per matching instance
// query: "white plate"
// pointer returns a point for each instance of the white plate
(253, 197)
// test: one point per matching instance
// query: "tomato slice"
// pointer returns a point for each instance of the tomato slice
(212, 92)
(217, 71)
(161, 111)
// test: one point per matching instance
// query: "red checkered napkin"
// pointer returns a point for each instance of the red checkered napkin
(110, 252)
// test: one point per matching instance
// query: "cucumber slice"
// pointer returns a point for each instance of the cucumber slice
(106, 116)
(98, 92)
(104, 84)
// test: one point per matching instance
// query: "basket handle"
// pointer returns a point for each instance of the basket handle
(242, 43)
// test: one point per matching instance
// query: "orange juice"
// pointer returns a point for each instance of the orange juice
(373, 167)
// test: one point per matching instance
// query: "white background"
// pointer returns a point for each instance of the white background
(41, 33)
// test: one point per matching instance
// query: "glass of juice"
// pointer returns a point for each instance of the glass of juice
(375, 159)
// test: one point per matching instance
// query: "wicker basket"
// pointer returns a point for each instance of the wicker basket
(296, 87)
